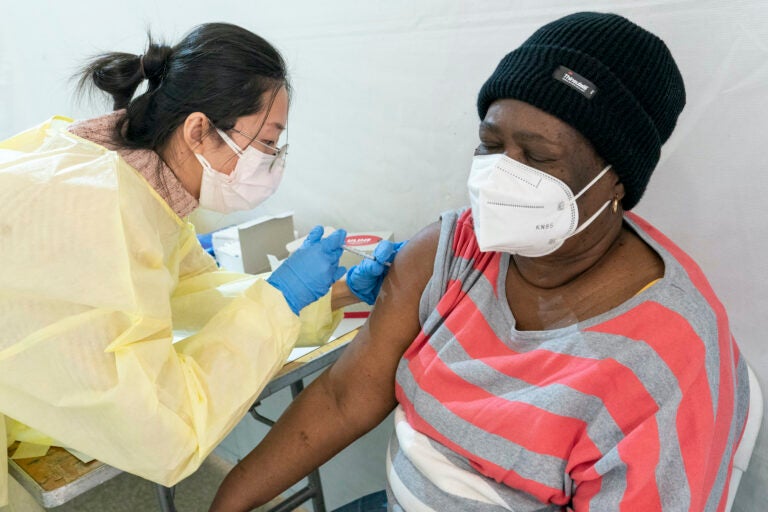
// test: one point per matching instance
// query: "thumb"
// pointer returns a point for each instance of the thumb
(340, 271)
(396, 249)
(371, 267)
(383, 250)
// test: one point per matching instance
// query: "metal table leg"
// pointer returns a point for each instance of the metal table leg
(314, 488)
(318, 500)
(165, 498)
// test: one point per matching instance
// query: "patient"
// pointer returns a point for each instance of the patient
(543, 349)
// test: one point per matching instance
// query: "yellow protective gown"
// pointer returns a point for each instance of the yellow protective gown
(97, 276)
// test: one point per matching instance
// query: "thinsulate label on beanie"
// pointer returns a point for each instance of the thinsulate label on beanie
(576, 81)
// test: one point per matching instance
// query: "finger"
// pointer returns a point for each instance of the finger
(334, 241)
(340, 271)
(383, 250)
(395, 249)
(314, 235)
(371, 268)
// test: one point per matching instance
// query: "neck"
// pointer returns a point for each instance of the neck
(180, 159)
(552, 271)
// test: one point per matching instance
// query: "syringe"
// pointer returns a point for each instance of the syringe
(364, 255)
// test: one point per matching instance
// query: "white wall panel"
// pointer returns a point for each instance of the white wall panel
(383, 121)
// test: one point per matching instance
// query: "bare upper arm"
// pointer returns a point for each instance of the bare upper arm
(363, 378)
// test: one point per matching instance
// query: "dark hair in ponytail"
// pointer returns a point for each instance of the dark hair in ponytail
(219, 69)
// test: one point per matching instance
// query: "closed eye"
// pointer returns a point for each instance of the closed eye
(539, 158)
(487, 149)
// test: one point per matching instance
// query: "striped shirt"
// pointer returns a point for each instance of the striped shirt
(639, 408)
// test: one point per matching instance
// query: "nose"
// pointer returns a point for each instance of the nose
(515, 153)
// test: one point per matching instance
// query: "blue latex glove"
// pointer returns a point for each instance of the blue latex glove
(309, 272)
(364, 280)
(206, 241)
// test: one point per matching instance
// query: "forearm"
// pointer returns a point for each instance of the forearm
(311, 431)
(347, 400)
(342, 296)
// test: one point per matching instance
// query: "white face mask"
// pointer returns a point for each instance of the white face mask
(256, 177)
(521, 210)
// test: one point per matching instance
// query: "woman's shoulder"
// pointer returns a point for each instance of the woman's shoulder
(101, 130)
(48, 154)
(684, 280)
(678, 316)
(76, 176)
(458, 243)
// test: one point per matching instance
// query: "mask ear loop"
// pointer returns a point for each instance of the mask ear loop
(228, 140)
(589, 221)
(589, 185)
(203, 161)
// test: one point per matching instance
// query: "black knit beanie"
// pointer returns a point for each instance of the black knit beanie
(614, 82)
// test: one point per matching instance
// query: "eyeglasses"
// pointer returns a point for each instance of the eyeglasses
(278, 152)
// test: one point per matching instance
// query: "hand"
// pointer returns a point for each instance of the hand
(364, 280)
(309, 272)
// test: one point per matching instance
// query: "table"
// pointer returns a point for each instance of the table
(59, 476)
(293, 374)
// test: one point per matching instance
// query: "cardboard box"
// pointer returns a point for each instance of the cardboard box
(263, 236)
(244, 247)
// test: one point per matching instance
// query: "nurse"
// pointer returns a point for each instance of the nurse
(101, 270)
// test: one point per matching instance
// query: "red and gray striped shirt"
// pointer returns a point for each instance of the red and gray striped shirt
(639, 408)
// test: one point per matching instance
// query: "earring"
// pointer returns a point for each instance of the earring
(615, 204)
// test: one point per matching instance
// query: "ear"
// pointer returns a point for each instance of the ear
(195, 130)
(618, 186)
(619, 191)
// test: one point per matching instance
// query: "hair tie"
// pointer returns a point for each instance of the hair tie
(141, 67)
